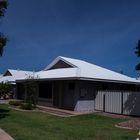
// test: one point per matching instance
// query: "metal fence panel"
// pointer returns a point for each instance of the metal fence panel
(99, 101)
(131, 103)
(113, 102)
(120, 102)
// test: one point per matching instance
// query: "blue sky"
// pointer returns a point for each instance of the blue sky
(103, 32)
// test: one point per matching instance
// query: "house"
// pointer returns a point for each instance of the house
(10, 77)
(81, 86)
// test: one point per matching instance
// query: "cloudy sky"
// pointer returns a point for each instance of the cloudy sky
(103, 32)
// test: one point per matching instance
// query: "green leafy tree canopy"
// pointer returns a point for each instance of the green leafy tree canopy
(137, 52)
(3, 39)
(3, 7)
(3, 42)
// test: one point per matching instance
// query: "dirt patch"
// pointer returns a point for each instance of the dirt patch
(113, 115)
(134, 123)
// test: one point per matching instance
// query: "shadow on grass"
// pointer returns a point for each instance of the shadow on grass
(3, 113)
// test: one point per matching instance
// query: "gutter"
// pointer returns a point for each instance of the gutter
(78, 78)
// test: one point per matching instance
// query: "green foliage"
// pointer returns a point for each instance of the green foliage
(137, 52)
(31, 93)
(3, 39)
(15, 102)
(5, 90)
(137, 67)
(3, 7)
(26, 106)
(3, 42)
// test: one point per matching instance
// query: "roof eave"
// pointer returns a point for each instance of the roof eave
(80, 78)
(48, 79)
(108, 80)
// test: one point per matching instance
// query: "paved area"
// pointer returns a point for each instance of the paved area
(4, 102)
(4, 135)
(60, 112)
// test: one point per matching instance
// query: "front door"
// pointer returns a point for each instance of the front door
(45, 93)
(68, 96)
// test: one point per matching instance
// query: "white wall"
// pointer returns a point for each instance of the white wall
(84, 106)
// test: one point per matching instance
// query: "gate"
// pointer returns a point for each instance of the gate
(109, 101)
(113, 102)
(99, 101)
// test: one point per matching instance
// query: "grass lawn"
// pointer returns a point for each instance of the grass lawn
(42, 126)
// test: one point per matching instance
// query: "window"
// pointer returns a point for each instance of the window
(71, 86)
(45, 90)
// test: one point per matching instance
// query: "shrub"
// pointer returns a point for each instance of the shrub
(15, 102)
(26, 106)
(6, 90)
(31, 93)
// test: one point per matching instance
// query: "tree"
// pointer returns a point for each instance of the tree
(137, 52)
(3, 7)
(31, 92)
(3, 39)
(6, 90)
(3, 42)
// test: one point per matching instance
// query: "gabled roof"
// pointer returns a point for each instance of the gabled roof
(7, 79)
(18, 73)
(12, 75)
(59, 58)
(83, 70)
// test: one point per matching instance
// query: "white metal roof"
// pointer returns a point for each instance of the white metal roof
(15, 74)
(57, 73)
(7, 79)
(84, 70)
(19, 73)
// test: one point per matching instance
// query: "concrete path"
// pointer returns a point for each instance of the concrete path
(4, 101)
(60, 112)
(4, 135)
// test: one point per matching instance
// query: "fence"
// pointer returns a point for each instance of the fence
(120, 102)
